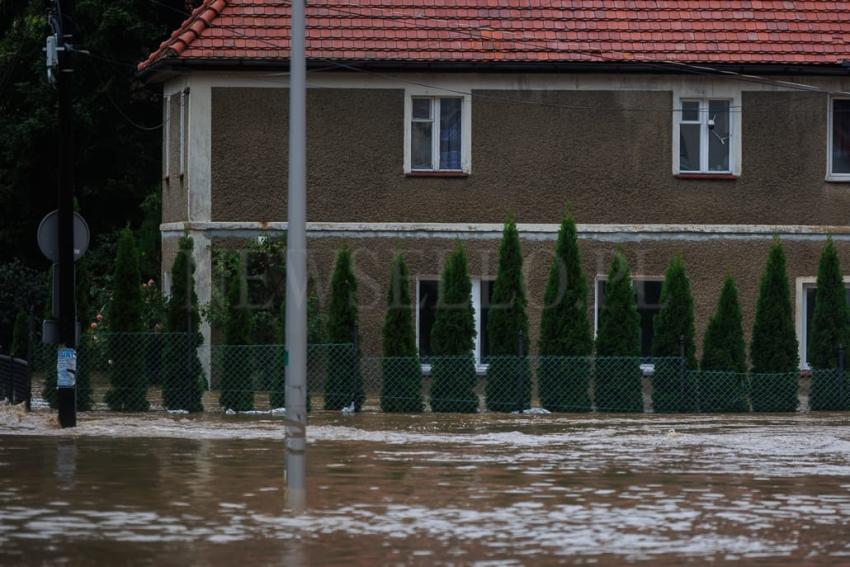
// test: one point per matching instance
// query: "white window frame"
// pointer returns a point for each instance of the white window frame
(604, 278)
(435, 94)
(704, 95)
(805, 283)
(830, 176)
(166, 139)
(475, 296)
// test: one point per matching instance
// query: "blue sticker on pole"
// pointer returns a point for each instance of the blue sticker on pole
(66, 368)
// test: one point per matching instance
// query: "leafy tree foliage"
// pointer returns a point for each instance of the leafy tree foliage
(183, 381)
(20, 335)
(509, 376)
(452, 339)
(401, 389)
(830, 328)
(344, 384)
(129, 384)
(618, 384)
(773, 349)
(672, 389)
(724, 357)
(565, 329)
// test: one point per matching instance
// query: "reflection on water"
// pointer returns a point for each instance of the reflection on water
(427, 490)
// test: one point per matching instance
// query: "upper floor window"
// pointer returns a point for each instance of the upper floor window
(437, 134)
(705, 136)
(839, 139)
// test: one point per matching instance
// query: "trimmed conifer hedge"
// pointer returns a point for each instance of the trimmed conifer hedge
(401, 388)
(452, 339)
(618, 379)
(344, 382)
(236, 387)
(565, 330)
(508, 386)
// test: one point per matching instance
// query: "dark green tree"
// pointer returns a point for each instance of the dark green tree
(452, 339)
(343, 385)
(618, 386)
(401, 388)
(508, 386)
(773, 349)
(183, 382)
(128, 390)
(20, 335)
(566, 340)
(672, 387)
(237, 386)
(724, 359)
(830, 328)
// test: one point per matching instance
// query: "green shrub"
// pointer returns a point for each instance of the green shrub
(508, 385)
(830, 328)
(618, 384)
(343, 385)
(722, 383)
(401, 388)
(183, 381)
(565, 330)
(672, 388)
(773, 349)
(237, 387)
(452, 339)
(128, 390)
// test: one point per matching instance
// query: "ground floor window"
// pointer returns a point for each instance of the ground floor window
(426, 312)
(809, 302)
(648, 297)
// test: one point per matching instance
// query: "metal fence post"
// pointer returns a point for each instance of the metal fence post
(355, 361)
(520, 352)
(842, 378)
(683, 382)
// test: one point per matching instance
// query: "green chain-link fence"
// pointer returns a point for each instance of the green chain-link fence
(136, 372)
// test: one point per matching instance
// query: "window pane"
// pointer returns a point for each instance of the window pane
(648, 304)
(420, 145)
(718, 135)
(690, 110)
(427, 314)
(841, 136)
(487, 287)
(689, 147)
(422, 108)
(450, 126)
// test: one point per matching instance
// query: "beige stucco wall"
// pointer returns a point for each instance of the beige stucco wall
(614, 164)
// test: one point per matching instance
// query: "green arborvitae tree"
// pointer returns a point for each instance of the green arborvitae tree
(773, 349)
(452, 340)
(343, 385)
(183, 382)
(618, 386)
(722, 384)
(129, 384)
(565, 330)
(237, 387)
(672, 387)
(830, 328)
(508, 385)
(401, 388)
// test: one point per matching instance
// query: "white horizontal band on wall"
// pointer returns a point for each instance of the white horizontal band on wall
(493, 231)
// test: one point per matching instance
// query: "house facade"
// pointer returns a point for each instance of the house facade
(700, 131)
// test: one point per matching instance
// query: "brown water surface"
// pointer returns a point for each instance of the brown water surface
(427, 489)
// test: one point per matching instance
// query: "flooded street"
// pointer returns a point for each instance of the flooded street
(427, 489)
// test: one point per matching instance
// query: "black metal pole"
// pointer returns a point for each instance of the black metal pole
(67, 393)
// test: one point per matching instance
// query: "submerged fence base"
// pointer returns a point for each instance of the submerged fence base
(161, 371)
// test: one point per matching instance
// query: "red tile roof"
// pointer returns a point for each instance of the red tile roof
(517, 31)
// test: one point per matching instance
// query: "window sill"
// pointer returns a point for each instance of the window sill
(837, 179)
(436, 174)
(707, 176)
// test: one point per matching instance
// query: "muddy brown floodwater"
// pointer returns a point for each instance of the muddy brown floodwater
(428, 489)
